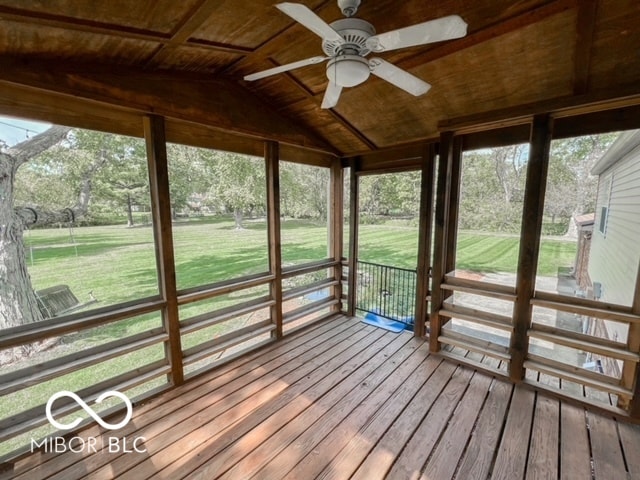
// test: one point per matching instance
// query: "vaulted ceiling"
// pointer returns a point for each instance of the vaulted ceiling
(517, 53)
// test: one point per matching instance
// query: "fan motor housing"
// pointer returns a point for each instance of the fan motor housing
(355, 32)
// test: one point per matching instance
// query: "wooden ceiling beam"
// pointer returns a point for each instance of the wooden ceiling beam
(490, 32)
(100, 28)
(210, 101)
(566, 106)
(585, 28)
(190, 23)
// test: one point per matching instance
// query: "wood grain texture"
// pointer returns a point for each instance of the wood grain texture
(341, 399)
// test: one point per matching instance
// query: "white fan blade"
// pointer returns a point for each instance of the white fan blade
(305, 16)
(331, 96)
(285, 68)
(398, 77)
(445, 28)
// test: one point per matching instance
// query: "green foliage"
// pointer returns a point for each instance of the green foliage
(303, 191)
(491, 190)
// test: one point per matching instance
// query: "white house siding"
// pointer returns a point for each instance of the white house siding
(615, 255)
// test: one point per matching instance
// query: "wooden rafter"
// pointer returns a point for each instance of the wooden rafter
(192, 21)
(210, 101)
(586, 23)
(101, 28)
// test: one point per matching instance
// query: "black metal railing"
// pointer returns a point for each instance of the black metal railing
(387, 291)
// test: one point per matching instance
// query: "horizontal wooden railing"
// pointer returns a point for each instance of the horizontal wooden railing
(19, 379)
(33, 417)
(556, 367)
(35, 374)
(212, 290)
(35, 332)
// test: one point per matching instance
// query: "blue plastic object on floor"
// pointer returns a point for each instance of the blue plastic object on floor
(378, 321)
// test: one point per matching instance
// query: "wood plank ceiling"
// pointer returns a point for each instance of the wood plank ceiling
(517, 52)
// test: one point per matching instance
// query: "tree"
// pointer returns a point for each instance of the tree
(571, 189)
(238, 183)
(18, 303)
(124, 180)
(187, 174)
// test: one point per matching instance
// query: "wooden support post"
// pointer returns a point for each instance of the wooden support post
(336, 219)
(163, 235)
(533, 211)
(631, 370)
(454, 208)
(424, 239)
(440, 238)
(353, 237)
(271, 155)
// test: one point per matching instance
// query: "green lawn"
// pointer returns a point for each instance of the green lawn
(118, 264)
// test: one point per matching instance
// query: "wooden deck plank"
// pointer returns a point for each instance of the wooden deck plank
(199, 413)
(630, 440)
(345, 400)
(543, 453)
(575, 460)
(409, 463)
(443, 462)
(511, 459)
(478, 456)
(381, 381)
(206, 440)
(365, 426)
(236, 374)
(384, 453)
(608, 461)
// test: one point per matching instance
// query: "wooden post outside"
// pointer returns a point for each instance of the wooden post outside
(533, 211)
(454, 209)
(162, 231)
(336, 234)
(271, 155)
(424, 239)
(353, 238)
(440, 238)
(631, 370)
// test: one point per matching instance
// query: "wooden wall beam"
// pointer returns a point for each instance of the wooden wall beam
(354, 210)
(530, 234)
(565, 106)
(162, 231)
(272, 159)
(336, 221)
(424, 239)
(195, 98)
(445, 160)
(454, 206)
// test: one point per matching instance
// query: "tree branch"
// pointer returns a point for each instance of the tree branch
(25, 151)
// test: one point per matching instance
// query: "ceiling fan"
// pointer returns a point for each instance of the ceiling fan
(346, 43)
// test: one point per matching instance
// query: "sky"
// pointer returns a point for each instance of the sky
(14, 130)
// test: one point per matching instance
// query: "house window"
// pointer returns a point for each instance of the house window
(604, 207)
(604, 211)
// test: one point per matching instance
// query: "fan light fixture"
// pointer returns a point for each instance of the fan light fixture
(348, 70)
(347, 41)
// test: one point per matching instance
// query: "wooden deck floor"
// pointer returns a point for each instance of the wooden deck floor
(347, 400)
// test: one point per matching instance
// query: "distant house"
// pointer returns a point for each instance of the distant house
(615, 242)
(615, 245)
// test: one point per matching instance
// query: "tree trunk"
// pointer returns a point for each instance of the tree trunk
(237, 215)
(129, 211)
(18, 304)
